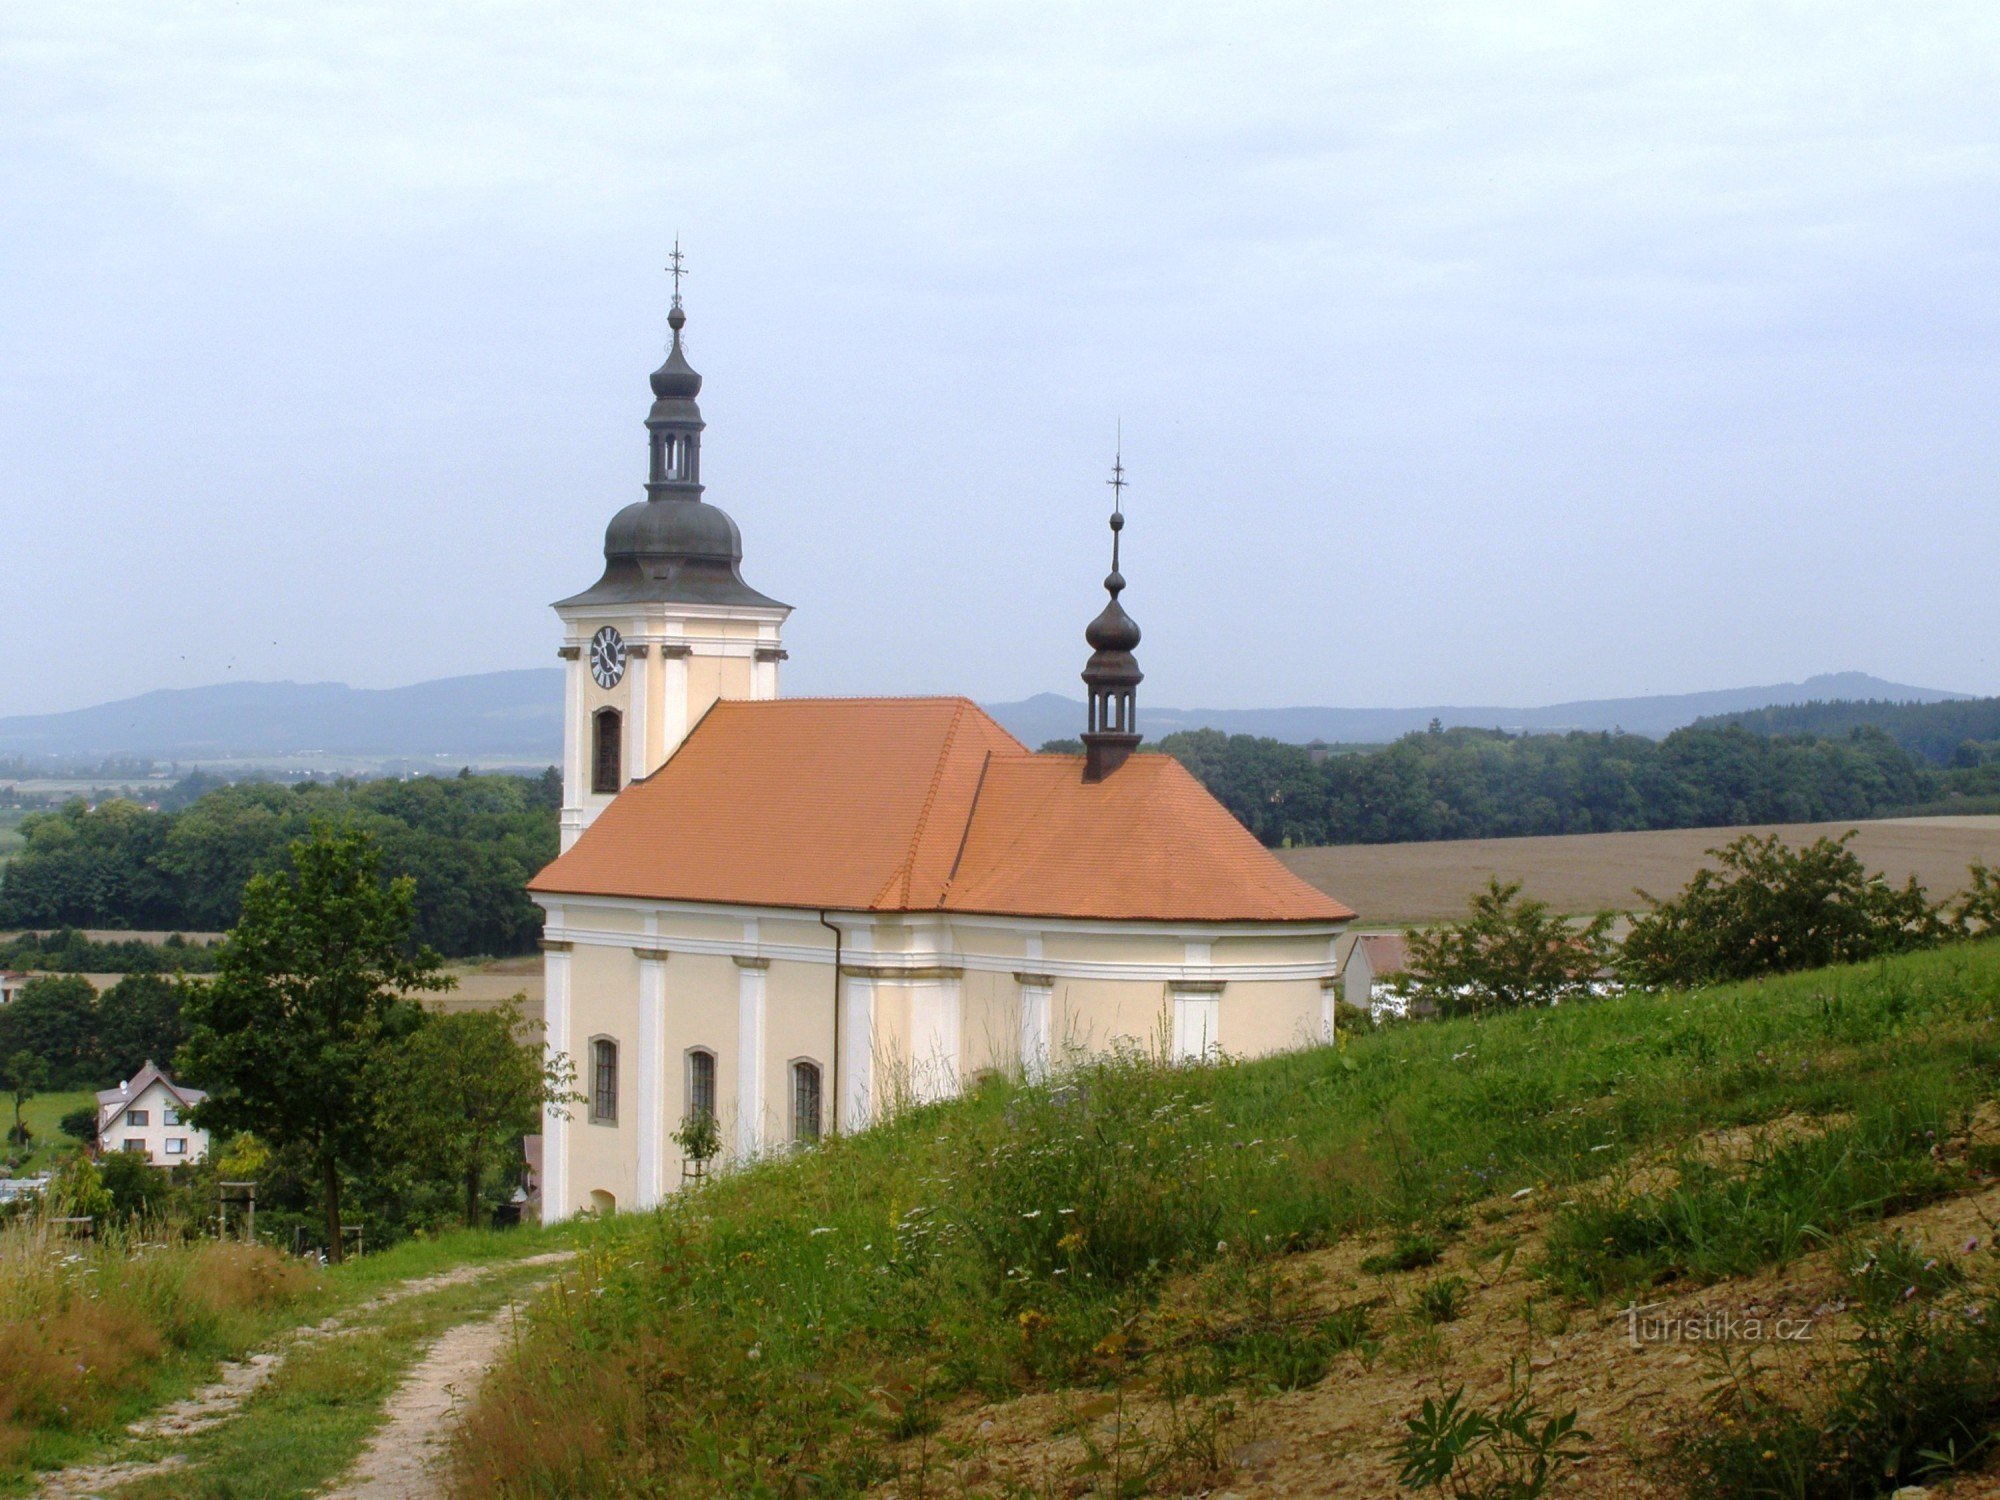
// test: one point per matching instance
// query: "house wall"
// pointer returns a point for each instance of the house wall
(155, 1100)
(926, 1004)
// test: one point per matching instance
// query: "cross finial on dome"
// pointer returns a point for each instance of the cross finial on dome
(677, 269)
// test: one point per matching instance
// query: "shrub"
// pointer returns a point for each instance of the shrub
(1772, 909)
(1511, 950)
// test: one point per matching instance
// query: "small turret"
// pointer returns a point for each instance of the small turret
(1112, 674)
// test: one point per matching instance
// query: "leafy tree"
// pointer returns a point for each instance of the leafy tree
(22, 1076)
(55, 1018)
(139, 1019)
(1976, 913)
(464, 1088)
(312, 981)
(1511, 950)
(1770, 909)
(80, 1125)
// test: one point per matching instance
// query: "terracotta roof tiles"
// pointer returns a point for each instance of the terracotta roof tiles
(922, 804)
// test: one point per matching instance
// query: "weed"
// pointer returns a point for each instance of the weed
(1441, 1300)
(1411, 1252)
(1513, 1452)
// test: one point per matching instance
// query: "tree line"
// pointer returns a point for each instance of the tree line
(1474, 783)
(1964, 733)
(475, 840)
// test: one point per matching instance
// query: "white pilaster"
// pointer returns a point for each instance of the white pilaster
(674, 724)
(555, 1121)
(652, 1092)
(857, 1053)
(638, 670)
(751, 1063)
(1037, 1000)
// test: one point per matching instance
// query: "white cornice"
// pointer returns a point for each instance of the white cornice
(556, 903)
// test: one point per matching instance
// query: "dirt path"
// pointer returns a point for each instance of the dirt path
(220, 1400)
(401, 1462)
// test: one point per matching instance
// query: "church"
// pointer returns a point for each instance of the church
(796, 914)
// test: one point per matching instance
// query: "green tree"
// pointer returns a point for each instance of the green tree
(139, 1019)
(314, 978)
(1771, 909)
(80, 1125)
(1511, 950)
(464, 1088)
(55, 1018)
(22, 1076)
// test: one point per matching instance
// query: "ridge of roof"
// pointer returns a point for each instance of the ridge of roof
(907, 868)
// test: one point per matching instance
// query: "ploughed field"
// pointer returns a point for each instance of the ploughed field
(1391, 884)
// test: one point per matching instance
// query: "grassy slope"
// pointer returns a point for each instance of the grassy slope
(782, 1325)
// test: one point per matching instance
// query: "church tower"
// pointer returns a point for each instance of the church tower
(671, 626)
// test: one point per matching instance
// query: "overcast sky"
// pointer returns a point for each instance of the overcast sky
(1497, 353)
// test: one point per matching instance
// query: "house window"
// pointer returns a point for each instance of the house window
(606, 759)
(604, 1080)
(805, 1101)
(701, 1083)
(177, 1146)
(135, 1116)
(132, 1146)
(170, 1117)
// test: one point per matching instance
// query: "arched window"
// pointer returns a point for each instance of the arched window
(606, 757)
(805, 1101)
(604, 1080)
(701, 1082)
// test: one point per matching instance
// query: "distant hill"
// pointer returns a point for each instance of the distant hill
(519, 714)
(492, 714)
(1049, 716)
(1930, 731)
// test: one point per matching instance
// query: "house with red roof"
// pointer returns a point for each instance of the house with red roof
(797, 914)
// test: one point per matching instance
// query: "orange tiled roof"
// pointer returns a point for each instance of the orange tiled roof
(922, 804)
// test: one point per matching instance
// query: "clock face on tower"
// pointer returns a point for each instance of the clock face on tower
(607, 657)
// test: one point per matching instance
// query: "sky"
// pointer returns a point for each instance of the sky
(1504, 353)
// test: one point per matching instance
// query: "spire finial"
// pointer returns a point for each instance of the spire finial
(677, 269)
(1117, 483)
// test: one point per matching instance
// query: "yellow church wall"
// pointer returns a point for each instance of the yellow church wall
(700, 1012)
(990, 1023)
(1265, 1016)
(1271, 950)
(603, 1002)
(1122, 948)
(798, 1025)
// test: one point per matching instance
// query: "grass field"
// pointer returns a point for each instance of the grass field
(1392, 884)
(43, 1114)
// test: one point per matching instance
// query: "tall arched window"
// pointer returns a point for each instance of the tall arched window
(604, 1080)
(607, 754)
(805, 1101)
(701, 1082)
